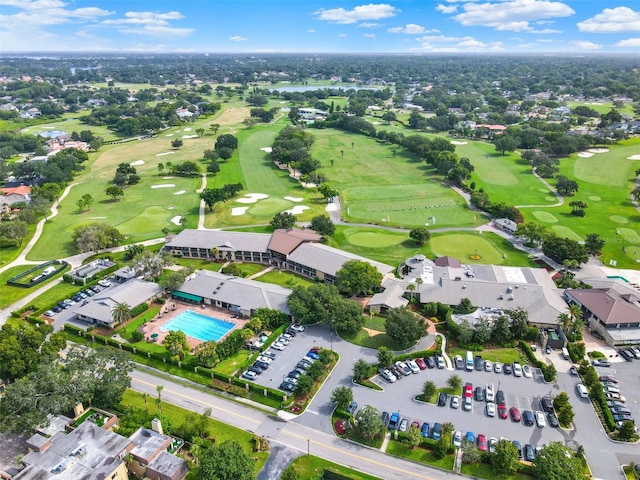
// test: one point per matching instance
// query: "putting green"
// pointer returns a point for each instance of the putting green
(373, 239)
(462, 246)
(594, 198)
(618, 219)
(610, 169)
(155, 215)
(633, 252)
(566, 232)
(629, 235)
(545, 216)
(268, 206)
(550, 198)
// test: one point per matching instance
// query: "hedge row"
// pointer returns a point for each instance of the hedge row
(548, 370)
(206, 374)
(14, 281)
(143, 307)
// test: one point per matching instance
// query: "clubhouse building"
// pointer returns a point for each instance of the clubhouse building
(296, 250)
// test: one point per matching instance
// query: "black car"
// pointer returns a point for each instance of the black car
(442, 399)
(255, 369)
(479, 394)
(385, 418)
(56, 309)
(95, 289)
(500, 399)
(63, 305)
(553, 420)
(518, 445)
(431, 363)
(626, 354)
(529, 453)
(262, 365)
(478, 363)
(527, 418)
(77, 298)
(290, 331)
(546, 404)
(623, 418)
(620, 410)
(287, 387)
(508, 369)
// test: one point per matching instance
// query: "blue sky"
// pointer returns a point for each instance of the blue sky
(331, 26)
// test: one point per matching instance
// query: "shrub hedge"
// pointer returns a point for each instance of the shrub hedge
(548, 370)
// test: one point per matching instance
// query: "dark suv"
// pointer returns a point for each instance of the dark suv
(442, 399)
(500, 399)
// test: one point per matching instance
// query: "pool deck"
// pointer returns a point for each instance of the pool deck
(168, 313)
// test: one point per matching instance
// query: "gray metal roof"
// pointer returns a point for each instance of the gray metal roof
(147, 443)
(169, 466)
(132, 292)
(222, 240)
(390, 298)
(87, 452)
(329, 260)
(245, 293)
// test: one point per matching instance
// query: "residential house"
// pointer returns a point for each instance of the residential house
(16, 194)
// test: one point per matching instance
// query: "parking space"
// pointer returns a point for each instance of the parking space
(520, 392)
(285, 360)
(628, 379)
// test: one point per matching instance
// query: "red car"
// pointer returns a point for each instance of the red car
(482, 443)
(468, 390)
(515, 414)
(421, 364)
(608, 378)
(502, 411)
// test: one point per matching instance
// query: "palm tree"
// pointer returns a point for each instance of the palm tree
(145, 397)
(159, 399)
(564, 320)
(214, 252)
(412, 288)
(121, 313)
(419, 282)
(575, 312)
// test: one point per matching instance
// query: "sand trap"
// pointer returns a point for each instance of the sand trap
(634, 157)
(48, 128)
(163, 185)
(170, 134)
(164, 153)
(294, 199)
(266, 149)
(171, 208)
(332, 207)
(252, 198)
(598, 150)
(136, 163)
(595, 103)
(188, 129)
(176, 220)
(189, 136)
(180, 192)
(237, 211)
(297, 209)
(585, 154)
(375, 123)
(167, 178)
(458, 142)
(96, 218)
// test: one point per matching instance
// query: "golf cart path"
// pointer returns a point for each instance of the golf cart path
(202, 204)
(560, 198)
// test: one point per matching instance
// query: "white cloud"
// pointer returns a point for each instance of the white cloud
(311, 30)
(357, 14)
(629, 42)
(410, 29)
(150, 23)
(369, 35)
(544, 31)
(369, 25)
(342, 35)
(619, 19)
(237, 38)
(545, 40)
(472, 43)
(511, 15)
(40, 13)
(447, 9)
(442, 39)
(586, 45)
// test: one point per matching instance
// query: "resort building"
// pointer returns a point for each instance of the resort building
(98, 309)
(291, 249)
(238, 295)
(492, 288)
(612, 308)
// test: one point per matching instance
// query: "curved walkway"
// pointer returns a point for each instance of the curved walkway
(201, 212)
(447, 360)
(560, 198)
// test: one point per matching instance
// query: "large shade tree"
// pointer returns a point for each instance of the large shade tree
(357, 277)
(404, 327)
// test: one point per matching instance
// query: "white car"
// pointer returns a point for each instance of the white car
(282, 339)
(296, 327)
(49, 313)
(488, 365)
(68, 301)
(497, 367)
(104, 283)
(540, 420)
(265, 359)
(491, 409)
(489, 394)
(249, 375)
(278, 346)
(413, 366)
(517, 369)
(526, 371)
(457, 438)
(493, 441)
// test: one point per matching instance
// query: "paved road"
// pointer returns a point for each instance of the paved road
(295, 436)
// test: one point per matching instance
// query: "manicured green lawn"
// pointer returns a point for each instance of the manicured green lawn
(363, 339)
(70, 123)
(502, 355)
(9, 251)
(375, 323)
(11, 294)
(217, 430)
(420, 455)
(55, 294)
(605, 181)
(284, 279)
(484, 470)
(230, 365)
(505, 178)
(602, 107)
(312, 467)
(376, 187)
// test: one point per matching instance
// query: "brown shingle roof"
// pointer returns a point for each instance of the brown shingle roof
(607, 304)
(286, 241)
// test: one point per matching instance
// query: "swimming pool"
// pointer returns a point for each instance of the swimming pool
(198, 326)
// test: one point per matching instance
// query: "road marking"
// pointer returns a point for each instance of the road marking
(311, 411)
(193, 400)
(358, 457)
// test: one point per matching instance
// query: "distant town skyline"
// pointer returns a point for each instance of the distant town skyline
(331, 26)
